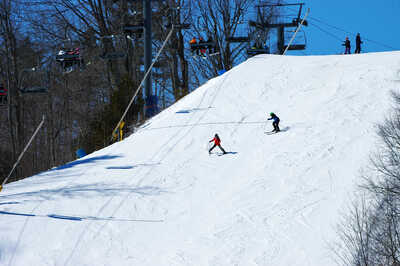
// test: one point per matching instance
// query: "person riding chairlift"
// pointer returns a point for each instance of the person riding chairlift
(193, 49)
(202, 49)
(210, 47)
(69, 65)
(3, 94)
(75, 51)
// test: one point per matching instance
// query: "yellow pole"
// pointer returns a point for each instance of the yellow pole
(121, 133)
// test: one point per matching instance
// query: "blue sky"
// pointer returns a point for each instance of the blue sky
(376, 21)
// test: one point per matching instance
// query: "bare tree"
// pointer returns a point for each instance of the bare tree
(371, 233)
(219, 20)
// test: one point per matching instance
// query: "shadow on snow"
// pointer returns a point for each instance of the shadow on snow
(84, 161)
(76, 218)
(85, 191)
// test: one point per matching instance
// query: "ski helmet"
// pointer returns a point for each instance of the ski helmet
(271, 114)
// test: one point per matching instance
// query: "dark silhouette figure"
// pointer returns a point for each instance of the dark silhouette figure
(3, 94)
(347, 45)
(202, 49)
(193, 49)
(358, 44)
(210, 47)
(275, 122)
(217, 142)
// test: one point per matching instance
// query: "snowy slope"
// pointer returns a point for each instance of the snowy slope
(158, 198)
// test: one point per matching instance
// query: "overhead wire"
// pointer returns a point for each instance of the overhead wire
(327, 32)
(343, 30)
(352, 33)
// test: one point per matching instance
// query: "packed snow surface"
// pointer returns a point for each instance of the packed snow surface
(159, 198)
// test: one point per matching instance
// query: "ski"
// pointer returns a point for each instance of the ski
(213, 54)
(221, 154)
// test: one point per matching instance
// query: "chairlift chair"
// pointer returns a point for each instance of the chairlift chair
(299, 43)
(173, 18)
(70, 56)
(211, 46)
(116, 48)
(134, 30)
(34, 90)
(258, 45)
(34, 81)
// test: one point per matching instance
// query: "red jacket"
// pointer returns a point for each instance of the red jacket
(217, 141)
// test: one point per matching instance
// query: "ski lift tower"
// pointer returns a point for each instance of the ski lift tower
(147, 54)
(146, 29)
(263, 24)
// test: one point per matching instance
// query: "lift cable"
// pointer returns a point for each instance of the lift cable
(348, 32)
(354, 34)
(327, 32)
(142, 82)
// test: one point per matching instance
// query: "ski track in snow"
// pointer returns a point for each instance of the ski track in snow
(154, 199)
(175, 138)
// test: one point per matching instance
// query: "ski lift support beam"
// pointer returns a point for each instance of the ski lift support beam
(265, 25)
(134, 28)
(112, 55)
(238, 39)
(202, 45)
(257, 51)
(182, 26)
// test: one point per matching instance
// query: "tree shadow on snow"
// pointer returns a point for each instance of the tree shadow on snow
(75, 218)
(120, 167)
(130, 166)
(84, 191)
(9, 203)
(187, 111)
(84, 161)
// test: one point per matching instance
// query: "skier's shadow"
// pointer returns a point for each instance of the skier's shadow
(285, 129)
(228, 152)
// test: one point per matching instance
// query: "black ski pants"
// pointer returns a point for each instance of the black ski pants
(275, 124)
(219, 146)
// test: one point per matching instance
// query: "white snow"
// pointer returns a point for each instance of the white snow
(158, 198)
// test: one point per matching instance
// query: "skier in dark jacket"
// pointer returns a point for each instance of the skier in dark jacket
(217, 142)
(346, 44)
(210, 47)
(358, 44)
(275, 122)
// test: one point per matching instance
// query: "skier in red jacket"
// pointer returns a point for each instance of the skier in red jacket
(217, 142)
